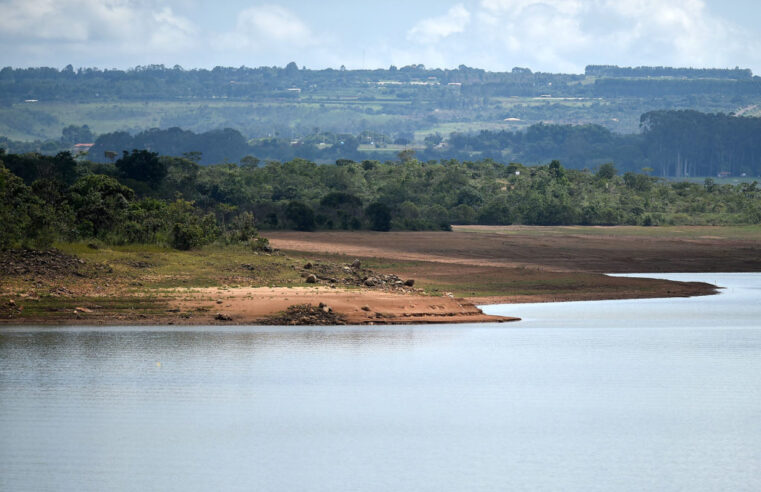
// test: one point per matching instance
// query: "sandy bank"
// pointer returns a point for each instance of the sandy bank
(252, 305)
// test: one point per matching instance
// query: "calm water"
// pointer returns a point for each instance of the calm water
(617, 395)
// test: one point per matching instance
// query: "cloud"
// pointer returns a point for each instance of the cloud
(267, 27)
(547, 35)
(92, 25)
(568, 34)
(433, 29)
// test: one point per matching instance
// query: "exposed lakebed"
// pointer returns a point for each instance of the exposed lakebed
(603, 395)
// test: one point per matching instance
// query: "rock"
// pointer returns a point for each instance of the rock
(366, 308)
(306, 314)
(222, 317)
(308, 266)
(356, 264)
(219, 301)
(410, 282)
(371, 282)
(82, 310)
(11, 302)
(312, 279)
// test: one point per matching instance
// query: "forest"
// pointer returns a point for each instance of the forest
(679, 144)
(146, 198)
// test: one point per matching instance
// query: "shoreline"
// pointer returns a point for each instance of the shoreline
(257, 305)
(404, 278)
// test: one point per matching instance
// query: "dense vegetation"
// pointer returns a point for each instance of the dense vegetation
(672, 143)
(45, 198)
(150, 199)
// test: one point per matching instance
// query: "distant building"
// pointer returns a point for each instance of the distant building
(81, 148)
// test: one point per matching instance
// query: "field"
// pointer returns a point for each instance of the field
(349, 110)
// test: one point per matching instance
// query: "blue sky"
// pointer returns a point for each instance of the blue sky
(546, 35)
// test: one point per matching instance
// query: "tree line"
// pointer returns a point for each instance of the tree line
(157, 82)
(146, 198)
(672, 143)
(688, 73)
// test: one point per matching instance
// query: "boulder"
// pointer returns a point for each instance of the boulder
(312, 279)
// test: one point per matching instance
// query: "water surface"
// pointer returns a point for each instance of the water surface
(612, 395)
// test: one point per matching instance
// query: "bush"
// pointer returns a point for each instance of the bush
(186, 236)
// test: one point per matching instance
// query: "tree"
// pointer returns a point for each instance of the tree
(142, 165)
(99, 203)
(301, 215)
(23, 217)
(379, 216)
(406, 155)
(556, 170)
(607, 171)
(74, 134)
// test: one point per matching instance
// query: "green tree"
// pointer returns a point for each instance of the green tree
(99, 203)
(24, 220)
(379, 216)
(142, 165)
(607, 171)
(300, 215)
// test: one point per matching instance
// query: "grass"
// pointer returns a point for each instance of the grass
(137, 281)
(146, 267)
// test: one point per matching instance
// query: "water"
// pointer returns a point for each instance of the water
(613, 395)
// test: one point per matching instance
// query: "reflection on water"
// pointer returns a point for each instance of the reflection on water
(618, 395)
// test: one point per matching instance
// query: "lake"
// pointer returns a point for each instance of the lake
(660, 394)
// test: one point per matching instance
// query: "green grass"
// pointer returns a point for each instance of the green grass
(154, 267)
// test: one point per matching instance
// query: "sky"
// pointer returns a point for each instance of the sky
(544, 35)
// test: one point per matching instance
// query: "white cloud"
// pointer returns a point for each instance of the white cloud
(92, 25)
(434, 29)
(268, 26)
(547, 35)
(568, 34)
